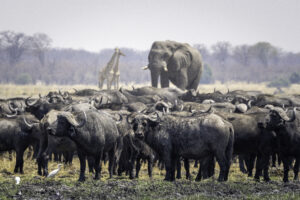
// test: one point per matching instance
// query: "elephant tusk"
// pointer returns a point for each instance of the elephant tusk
(165, 68)
(145, 68)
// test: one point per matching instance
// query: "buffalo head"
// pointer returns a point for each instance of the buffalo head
(142, 124)
(277, 118)
(65, 124)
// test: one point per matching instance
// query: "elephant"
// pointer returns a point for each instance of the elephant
(176, 62)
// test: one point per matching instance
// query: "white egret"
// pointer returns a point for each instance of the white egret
(54, 172)
(17, 180)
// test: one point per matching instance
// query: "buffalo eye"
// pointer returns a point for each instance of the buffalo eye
(144, 124)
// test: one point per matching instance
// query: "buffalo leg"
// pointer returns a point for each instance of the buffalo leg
(178, 167)
(111, 160)
(91, 164)
(262, 164)
(250, 159)
(274, 160)
(150, 167)
(172, 168)
(19, 161)
(168, 165)
(296, 169)
(137, 167)
(187, 168)
(286, 165)
(241, 164)
(82, 158)
(266, 170)
(97, 165)
(221, 158)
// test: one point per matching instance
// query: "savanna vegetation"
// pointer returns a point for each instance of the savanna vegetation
(31, 59)
(65, 185)
(30, 66)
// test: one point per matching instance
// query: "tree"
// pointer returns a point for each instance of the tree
(207, 75)
(23, 79)
(294, 78)
(203, 50)
(40, 43)
(242, 54)
(14, 44)
(221, 51)
(264, 52)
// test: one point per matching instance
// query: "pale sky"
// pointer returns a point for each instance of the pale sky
(97, 24)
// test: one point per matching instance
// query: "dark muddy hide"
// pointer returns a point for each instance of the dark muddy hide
(287, 130)
(94, 134)
(40, 107)
(167, 94)
(111, 99)
(189, 137)
(146, 153)
(145, 99)
(251, 141)
(61, 146)
(15, 135)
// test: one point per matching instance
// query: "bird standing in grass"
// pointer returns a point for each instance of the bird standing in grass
(17, 180)
(54, 172)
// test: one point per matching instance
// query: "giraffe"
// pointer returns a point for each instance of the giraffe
(106, 72)
(111, 72)
(116, 72)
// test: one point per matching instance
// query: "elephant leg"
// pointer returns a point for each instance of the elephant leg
(164, 80)
(193, 84)
(181, 80)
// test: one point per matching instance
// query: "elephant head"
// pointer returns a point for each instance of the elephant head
(170, 61)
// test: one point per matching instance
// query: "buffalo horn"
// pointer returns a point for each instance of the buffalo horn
(82, 123)
(249, 103)
(294, 115)
(27, 124)
(30, 104)
(11, 108)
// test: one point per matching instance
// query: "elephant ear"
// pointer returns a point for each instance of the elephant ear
(180, 59)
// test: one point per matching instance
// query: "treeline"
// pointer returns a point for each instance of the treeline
(31, 59)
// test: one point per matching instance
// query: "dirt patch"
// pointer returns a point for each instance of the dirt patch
(139, 189)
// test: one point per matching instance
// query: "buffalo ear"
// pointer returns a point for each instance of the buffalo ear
(72, 131)
(71, 119)
(129, 119)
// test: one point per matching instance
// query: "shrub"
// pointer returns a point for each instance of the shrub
(207, 75)
(278, 83)
(294, 78)
(23, 79)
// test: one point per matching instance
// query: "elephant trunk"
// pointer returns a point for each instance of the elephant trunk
(154, 78)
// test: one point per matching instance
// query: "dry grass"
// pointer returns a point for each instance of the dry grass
(11, 90)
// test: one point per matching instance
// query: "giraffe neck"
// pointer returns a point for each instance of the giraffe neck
(116, 67)
(111, 62)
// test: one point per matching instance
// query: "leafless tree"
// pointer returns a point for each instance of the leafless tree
(221, 51)
(39, 45)
(14, 44)
(264, 52)
(203, 51)
(242, 54)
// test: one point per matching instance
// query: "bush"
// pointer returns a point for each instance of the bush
(23, 79)
(278, 83)
(207, 75)
(294, 78)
